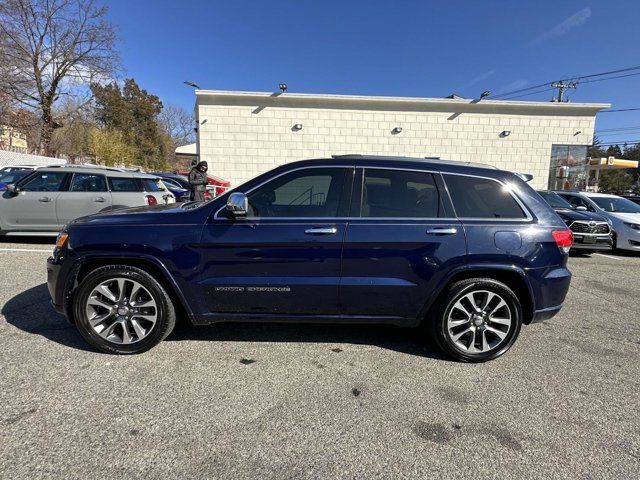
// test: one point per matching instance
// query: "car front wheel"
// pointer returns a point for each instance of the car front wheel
(478, 320)
(122, 309)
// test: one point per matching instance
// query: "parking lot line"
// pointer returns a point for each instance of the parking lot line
(23, 250)
(608, 256)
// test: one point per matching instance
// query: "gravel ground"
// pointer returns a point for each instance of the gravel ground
(300, 401)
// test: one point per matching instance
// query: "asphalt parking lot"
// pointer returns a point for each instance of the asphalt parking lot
(296, 401)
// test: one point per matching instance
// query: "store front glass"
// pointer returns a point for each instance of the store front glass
(569, 167)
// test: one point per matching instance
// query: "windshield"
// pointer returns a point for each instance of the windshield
(616, 204)
(556, 201)
(14, 176)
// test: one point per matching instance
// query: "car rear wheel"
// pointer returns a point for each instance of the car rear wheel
(122, 309)
(477, 320)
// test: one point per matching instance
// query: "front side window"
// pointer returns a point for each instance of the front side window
(44, 182)
(119, 184)
(86, 182)
(399, 194)
(475, 197)
(305, 193)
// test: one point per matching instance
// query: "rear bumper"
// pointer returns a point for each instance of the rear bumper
(545, 314)
(549, 287)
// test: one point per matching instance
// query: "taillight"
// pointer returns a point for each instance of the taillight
(151, 200)
(564, 239)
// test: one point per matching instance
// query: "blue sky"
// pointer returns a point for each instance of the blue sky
(392, 47)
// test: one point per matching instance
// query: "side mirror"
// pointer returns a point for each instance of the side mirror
(237, 204)
(581, 208)
(12, 189)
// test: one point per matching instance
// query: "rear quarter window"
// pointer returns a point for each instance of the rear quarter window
(123, 184)
(475, 197)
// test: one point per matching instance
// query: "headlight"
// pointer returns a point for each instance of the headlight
(633, 226)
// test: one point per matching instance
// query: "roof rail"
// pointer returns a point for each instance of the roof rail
(88, 166)
(400, 158)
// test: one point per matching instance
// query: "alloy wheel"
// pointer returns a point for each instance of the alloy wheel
(479, 321)
(121, 310)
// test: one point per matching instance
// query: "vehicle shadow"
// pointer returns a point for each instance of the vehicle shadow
(43, 240)
(403, 340)
(31, 312)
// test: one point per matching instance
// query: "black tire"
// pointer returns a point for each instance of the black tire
(166, 315)
(439, 322)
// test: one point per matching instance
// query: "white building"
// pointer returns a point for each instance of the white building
(242, 134)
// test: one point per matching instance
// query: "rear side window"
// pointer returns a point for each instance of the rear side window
(475, 197)
(150, 185)
(399, 194)
(118, 184)
(86, 182)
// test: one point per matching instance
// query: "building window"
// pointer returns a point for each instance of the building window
(568, 167)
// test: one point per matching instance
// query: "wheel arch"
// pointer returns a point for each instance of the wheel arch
(512, 276)
(150, 265)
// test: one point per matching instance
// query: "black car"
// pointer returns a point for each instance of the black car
(591, 231)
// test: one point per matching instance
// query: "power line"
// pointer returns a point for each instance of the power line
(574, 79)
(619, 129)
(529, 94)
(620, 142)
(610, 78)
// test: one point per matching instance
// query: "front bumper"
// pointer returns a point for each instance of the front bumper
(591, 242)
(58, 275)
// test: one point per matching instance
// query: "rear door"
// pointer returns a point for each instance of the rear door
(34, 207)
(402, 239)
(87, 194)
(283, 259)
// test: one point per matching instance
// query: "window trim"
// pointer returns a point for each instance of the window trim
(64, 185)
(528, 216)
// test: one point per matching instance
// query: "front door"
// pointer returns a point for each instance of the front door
(34, 207)
(283, 259)
(87, 194)
(401, 242)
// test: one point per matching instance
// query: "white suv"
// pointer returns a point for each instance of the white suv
(49, 198)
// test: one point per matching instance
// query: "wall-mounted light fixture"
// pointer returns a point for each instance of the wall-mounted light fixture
(396, 130)
(505, 133)
(577, 133)
(282, 87)
(297, 127)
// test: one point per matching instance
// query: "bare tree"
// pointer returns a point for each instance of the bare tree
(51, 49)
(178, 124)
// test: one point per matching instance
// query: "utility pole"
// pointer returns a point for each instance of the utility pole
(561, 86)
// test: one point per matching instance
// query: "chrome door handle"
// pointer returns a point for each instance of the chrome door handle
(442, 231)
(99, 199)
(44, 199)
(321, 231)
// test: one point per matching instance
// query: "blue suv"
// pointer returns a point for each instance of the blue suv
(467, 252)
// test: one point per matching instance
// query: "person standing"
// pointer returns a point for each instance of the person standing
(198, 181)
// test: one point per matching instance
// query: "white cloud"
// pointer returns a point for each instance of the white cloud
(565, 26)
(515, 85)
(479, 78)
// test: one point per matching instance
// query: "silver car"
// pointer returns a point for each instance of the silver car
(50, 197)
(621, 213)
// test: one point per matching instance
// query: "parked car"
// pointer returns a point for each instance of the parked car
(11, 177)
(623, 214)
(180, 194)
(13, 168)
(633, 198)
(468, 252)
(48, 198)
(591, 232)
